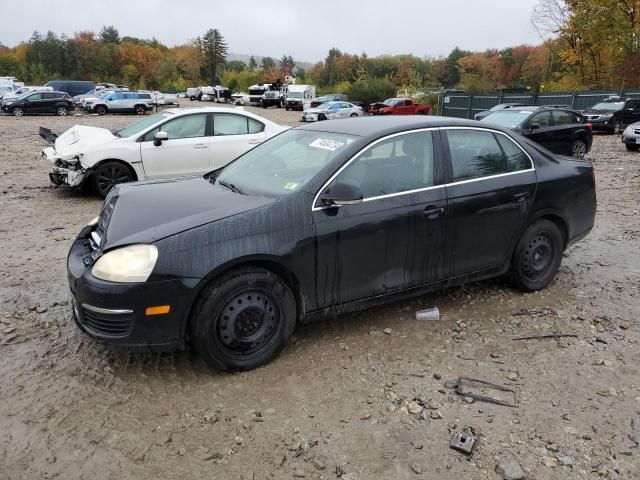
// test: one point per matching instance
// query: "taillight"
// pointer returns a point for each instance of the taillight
(589, 126)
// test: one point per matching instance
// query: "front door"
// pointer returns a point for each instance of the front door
(491, 189)
(233, 134)
(34, 103)
(186, 152)
(364, 249)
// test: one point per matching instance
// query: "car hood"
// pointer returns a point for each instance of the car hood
(75, 141)
(598, 112)
(145, 212)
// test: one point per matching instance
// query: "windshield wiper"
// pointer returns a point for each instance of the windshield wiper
(116, 134)
(230, 186)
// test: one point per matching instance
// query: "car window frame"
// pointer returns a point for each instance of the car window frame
(208, 129)
(568, 112)
(535, 114)
(246, 117)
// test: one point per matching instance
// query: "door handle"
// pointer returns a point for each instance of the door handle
(521, 197)
(200, 145)
(254, 142)
(432, 212)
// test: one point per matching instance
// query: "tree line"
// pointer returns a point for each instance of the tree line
(590, 44)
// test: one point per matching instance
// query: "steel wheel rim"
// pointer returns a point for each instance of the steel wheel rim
(111, 176)
(247, 324)
(538, 257)
(579, 149)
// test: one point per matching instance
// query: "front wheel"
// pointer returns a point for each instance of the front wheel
(109, 174)
(243, 319)
(101, 109)
(61, 111)
(139, 109)
(353, 115)
(537, 256)
(632, 147)
(18, 112)
(579, 149)
(617, 127)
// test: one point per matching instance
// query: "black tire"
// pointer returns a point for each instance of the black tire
(264, 105)
(139, 110)
(321, 117)
(101, 109)
(579, 149)
(537, 256)
(617, 127)
(353, 115)
(287, 109)
(62, 111)
(632, 147)
(18, 112)
(243, 319)
(108, 174)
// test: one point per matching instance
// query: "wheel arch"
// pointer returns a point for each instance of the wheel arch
(117, 160)
(552, 216)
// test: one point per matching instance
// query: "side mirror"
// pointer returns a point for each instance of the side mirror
(341, 194)
(534, 126)
(159, 137)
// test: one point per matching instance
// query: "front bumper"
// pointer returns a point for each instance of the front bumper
(310, 118)
(114, 313)
(70, 173)
(602, 125)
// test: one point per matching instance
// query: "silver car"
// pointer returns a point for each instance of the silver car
(631, 137)
(332, 111)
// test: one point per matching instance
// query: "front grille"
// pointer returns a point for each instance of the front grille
(636, 131)
(593, 117)
(107, 324)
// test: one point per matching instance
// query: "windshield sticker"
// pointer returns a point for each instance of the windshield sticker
(326, 144)
(291, 186)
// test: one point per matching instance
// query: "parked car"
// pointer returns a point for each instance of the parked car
(72, 87)
(22, 90)
(377, 209)
(613, 114)
(403, 106)
(120, 102)
(171, 143)
(500, 106)
(59, 103)
(6, 88)
(562, 131)
(330, 97)
(631, 137)
(194, 94)
(331, 111)
(375, 107)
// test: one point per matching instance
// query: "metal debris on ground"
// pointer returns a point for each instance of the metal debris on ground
(535, 336)
(47, 135)
(429, 314)
(463, 441)
(486, 392)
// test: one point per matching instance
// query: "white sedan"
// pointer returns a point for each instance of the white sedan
(331, 111)
(172, 143)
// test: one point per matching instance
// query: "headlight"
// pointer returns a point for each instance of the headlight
(93, 221)
(127, 264)
(8, 103)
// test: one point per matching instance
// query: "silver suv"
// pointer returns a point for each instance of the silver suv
(120, 102)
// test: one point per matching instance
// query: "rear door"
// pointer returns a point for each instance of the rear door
(233, 134)
(566, 129)
(186, 152)
(491, 188)
(49, 101)
(539, 128)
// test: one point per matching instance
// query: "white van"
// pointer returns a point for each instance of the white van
(297, 95)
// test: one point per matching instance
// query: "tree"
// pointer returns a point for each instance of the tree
(267, 63)
(109, 34)
(252, 63)
(235, 66)
(214, 50)
(287, 64)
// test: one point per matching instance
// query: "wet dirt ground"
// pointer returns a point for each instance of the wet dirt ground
(366, 396)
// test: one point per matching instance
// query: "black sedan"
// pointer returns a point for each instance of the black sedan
(322, 219)
(560, 130)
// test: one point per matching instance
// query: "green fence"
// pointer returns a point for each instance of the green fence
(463, 105)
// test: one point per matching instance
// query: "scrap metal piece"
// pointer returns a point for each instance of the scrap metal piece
(535, 336)
(463, 441)
(47, 135)
(482, 391)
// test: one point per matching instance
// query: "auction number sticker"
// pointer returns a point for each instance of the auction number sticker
(291, 186)
(326, 144)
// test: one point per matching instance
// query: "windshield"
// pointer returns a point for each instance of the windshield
(285, 163)
(325, 106)
(608, 106)
(6, 88)
(508, 118)
(392, 102)
(295, 94)
(140, 125)
(502, 106)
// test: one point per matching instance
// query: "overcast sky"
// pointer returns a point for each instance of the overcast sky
(305, 30)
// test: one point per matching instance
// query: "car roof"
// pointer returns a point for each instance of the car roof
(384, 125)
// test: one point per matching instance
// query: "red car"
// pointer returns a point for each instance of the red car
(402, 106)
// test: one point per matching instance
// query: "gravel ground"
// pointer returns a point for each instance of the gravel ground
(364, 396)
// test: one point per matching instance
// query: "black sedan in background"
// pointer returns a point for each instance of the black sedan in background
(560, 130)
(327, 218)
(59, 103)
(500, 106)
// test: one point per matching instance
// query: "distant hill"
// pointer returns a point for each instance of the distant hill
(245, 58)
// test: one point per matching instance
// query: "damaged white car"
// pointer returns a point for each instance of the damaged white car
(172, 143)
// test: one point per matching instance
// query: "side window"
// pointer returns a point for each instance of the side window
(255, 126)
(407, 103)
(49, 96)
(35, 96)
(399, 164)
(562, 117)
(229, 124)
(516, 159)
(543, 119)
(187, 126)
(474, 154)
(144, 96)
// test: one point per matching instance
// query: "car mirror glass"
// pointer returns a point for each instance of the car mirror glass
(534, 126)
(159, 137)
(340, 194)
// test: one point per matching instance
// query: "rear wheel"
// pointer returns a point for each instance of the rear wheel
(109, 174)
(632, 147)
(578, 148)
(353, 115)
(537, 256)
(18, 111)
(101, 109)
(322, 116)
(61, 111)
(243, 319)
(139, 109)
